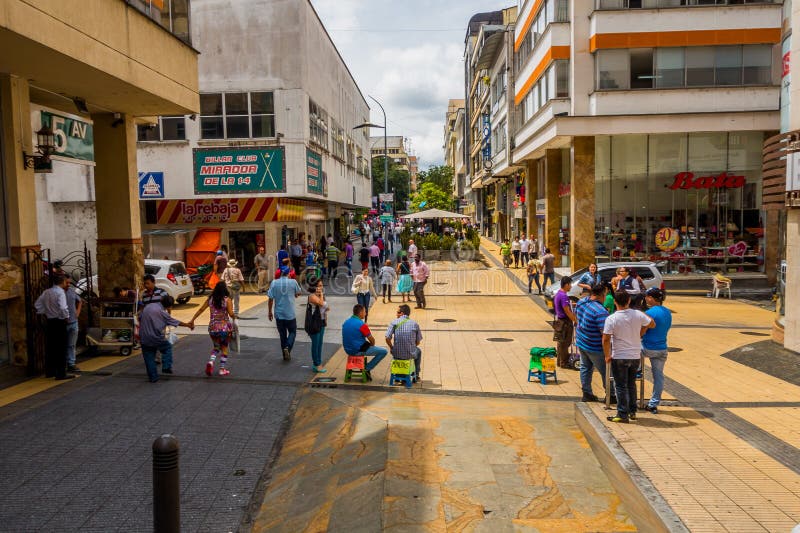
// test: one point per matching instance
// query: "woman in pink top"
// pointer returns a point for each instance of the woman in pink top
(220, 326)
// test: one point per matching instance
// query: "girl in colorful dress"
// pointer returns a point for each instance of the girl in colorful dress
(404, 282)
(220, 327)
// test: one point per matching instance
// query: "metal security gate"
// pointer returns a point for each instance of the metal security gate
(77, 265)
(38, 276)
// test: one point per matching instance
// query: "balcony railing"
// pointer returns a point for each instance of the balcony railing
(653, 4)
(172, 15)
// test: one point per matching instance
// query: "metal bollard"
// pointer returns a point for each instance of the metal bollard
(166, 485)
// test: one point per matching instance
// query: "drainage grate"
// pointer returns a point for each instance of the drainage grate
(440, 283)
(499, 339)
(445, 320)
(473, 292)
(754, 333)
(674, 349)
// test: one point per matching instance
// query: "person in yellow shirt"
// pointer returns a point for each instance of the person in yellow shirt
(505, 252)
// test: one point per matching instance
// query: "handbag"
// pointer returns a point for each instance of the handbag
(560, 333)
(313, 323)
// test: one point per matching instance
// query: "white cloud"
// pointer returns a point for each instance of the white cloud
(412, 73)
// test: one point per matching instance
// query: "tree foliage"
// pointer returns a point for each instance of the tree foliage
(433, 196)
(441, 176)
(398, 181)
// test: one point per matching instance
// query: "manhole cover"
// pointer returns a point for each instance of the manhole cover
(674, 349)
(447, 320)
(440, 283)
(499, 339)
(473, 292)
(754, 333)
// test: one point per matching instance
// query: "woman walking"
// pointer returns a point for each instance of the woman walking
(234, 280)
(533, 268)
(404, 282)
(516, 249)
(388, 277)
(220, 326)
(316, 298)
(364, 288)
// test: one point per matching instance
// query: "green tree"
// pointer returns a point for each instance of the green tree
(433, 196)
(398, 181)
(441, 176)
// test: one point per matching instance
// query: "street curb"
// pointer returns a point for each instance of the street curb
(645, 505)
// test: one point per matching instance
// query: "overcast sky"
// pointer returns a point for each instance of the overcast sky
(408, 55)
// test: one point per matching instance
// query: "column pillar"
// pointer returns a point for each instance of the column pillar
(791, 339)
(552, 219)
(23, 230)
(530, 196)
(582, 203)
(120, 256)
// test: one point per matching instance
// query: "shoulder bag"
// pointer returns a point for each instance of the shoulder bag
(313, 323)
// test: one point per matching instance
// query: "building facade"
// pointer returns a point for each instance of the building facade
(641, 126)
(89, 79)
(454, 148)
(273, 152)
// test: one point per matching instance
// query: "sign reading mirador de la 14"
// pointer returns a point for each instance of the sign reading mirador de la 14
(314, 172)
(239, 170)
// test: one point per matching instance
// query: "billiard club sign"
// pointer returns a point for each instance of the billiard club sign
(687, 180)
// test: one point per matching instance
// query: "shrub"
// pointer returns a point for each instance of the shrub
(447, 243)
(431, 242)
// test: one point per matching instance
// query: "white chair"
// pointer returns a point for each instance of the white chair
(721, 284)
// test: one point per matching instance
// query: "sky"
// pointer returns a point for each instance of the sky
(408, 54)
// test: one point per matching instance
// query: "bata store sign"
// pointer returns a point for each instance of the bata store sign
(687, 180)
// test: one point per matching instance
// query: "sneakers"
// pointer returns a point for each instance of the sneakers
(318, 370)
(224, 371)
(632, 416)
(286, 355)
(589, 398)
(618, 419)
(166, 371)
(652, 409)
(209, 368)
(73, 368)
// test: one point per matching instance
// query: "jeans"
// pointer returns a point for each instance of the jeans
(287, 329)
(55, 353)
(516, 258)
(534, 278)
(386, 288)
(375, 262)
(316, 347)
(548, 276)
(658, 358)
(377, 353)
(419, 292)
(349, 262)
(149, 355)
(526, 256)
(332, 266)
(363, 298)
(624, 372)
(590, 361)
(72, 342)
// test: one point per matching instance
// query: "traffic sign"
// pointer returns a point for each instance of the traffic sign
(386, 197)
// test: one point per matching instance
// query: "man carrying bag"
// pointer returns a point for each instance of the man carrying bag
(563, 327)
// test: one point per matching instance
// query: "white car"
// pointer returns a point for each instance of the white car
(647, 270)
(171, 276)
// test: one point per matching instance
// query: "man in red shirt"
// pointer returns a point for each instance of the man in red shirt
(286, 262)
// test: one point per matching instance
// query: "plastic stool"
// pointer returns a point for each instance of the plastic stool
(356, 366)
(541, 368)
(403, 372)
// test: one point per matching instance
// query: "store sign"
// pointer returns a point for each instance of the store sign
(487, 138)
(232, 210)
(74, 138)
(386, 197)
(667, 239)
(793, 171)
(541, 207)
(564, 189)
(313, 172)
(738, 249)
(151, 185)
(786, 84)
(686, 180)
(239, 170)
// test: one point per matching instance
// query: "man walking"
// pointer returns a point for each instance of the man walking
(296, 255)
(654, 343)
(151, 293)
(419, 274)
(564, 324)
(261, 262)
(622, 346)
(374, 258)
(74, 304)
(412, 248)
(548, 268)
(505, 253)
(52, 303)
(332, 255)
(403, 337)
(153, 322)
(357, 338)
(525, 249)
(591, 317)
(282, 293)
(348, 258)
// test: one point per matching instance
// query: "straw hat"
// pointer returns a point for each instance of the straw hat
(231, 262)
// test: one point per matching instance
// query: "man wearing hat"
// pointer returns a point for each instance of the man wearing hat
(232, 276)
(282, 293)
(654, 343)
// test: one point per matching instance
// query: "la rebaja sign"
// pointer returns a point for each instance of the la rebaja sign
(238, 170)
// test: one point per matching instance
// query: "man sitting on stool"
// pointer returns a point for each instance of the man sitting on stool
(407, 336)
(358, 339)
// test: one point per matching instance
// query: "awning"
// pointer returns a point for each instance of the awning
(491, 44)
(203, 248)
(434, 213)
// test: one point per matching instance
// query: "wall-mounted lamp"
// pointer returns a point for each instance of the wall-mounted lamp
(192, 117)
(118, 119)
(45, 147)
(80, 104)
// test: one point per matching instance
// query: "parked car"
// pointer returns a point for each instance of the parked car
(648, 272)
(171, 276)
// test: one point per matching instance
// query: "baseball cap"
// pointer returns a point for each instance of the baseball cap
(655, 292)
(285, 270)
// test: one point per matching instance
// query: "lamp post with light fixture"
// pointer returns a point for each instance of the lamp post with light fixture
(385, 146)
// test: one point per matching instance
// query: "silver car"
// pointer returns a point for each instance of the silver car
(647, 270)
(171, 276)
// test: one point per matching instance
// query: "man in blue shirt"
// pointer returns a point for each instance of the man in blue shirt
(654, 343)
(589, 338)
(74, 304)
(357, 338)
(282, 293)
(151, 332)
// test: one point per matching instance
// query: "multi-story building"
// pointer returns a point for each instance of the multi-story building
(413, 171)
(641, 128)
(273, 152)
(395, 146)
(73, 84)
(490, 189)
(454, 147)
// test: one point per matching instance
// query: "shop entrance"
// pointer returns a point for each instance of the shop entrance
(243, 246)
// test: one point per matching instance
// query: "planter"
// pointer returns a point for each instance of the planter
(431, 255)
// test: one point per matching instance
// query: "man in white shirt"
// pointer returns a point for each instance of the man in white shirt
(52, 303)
(525, 249)
(412, 249)
(622, 346)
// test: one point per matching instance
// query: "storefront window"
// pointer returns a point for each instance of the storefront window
(705, 187)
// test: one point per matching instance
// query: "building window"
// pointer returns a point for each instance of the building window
(351, 153)
(554, 83)
(337, 134)
(701, 66)
(653, 4)
(169, 128)
(318, 125)
(237, 115)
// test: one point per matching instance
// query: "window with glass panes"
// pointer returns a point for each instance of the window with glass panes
(239, 115)
(168, 128)
(337, 134)
(318, 125)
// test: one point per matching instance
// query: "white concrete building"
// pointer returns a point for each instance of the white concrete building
(273, 153)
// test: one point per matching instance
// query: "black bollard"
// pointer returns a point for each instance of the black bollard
(166, 485)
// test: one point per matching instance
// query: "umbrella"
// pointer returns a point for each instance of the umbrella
(434, 213)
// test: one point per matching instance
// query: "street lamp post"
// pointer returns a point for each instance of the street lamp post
(385, 146)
